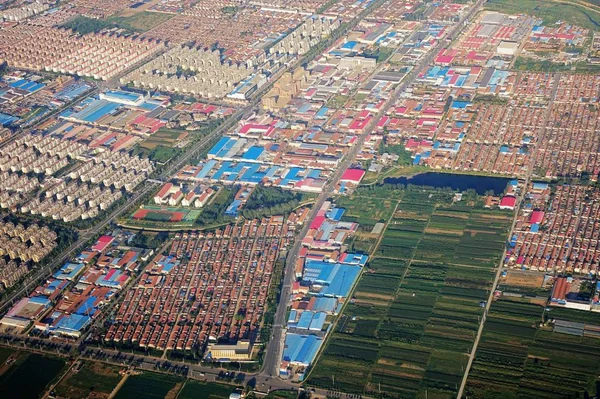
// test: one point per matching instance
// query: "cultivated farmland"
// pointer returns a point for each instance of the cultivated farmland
(520, 356)
(416, 311)
(149, 385)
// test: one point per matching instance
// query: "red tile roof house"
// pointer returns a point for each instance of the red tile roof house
(102, 243)
(536, 217)
(508, 202)
(165, 191)
(353, 175)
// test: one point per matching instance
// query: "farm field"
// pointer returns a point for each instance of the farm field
(94, 377)
(367, 210)
(5, 354)
(17, 381)
(520, 356)
(149, 385)
(200, 390)
(417, 309)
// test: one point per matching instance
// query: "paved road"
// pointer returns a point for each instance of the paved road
(274, 349)
(499, 270)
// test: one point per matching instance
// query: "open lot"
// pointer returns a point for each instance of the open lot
(139, 22)
(94, 377)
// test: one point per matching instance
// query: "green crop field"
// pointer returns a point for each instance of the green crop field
(5, 354)
(416, 312)
(148, 385)
(520, 356)
(367, 210)
(204, 390)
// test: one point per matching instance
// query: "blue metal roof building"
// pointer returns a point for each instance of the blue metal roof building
(331, 279)
(305, 319)
(301, 349)
(324, 304)
(68, 271)
(96, 110)
(253, 153)
(71, 324)
(317, 322)
(219, 146)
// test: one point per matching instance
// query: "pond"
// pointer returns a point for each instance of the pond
(481, 184)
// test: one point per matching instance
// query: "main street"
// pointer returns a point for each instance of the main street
(274, 349)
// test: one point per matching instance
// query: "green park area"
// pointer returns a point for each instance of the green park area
(268, 201)
(578, 12)
(139, 22)
(136, 23)
(533, 65)
(416, 309)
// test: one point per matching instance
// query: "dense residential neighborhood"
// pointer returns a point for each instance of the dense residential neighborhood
(376, 199)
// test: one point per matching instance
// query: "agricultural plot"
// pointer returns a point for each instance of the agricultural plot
(162, 145)
(94, 377)
(388, 267)
(17, 381)
(520, 356)
(149, 385)
(416, 312)
(204, 390)
(476, 238)
(164, 137)
(379, 286)
(5, 354)
(367, 211)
